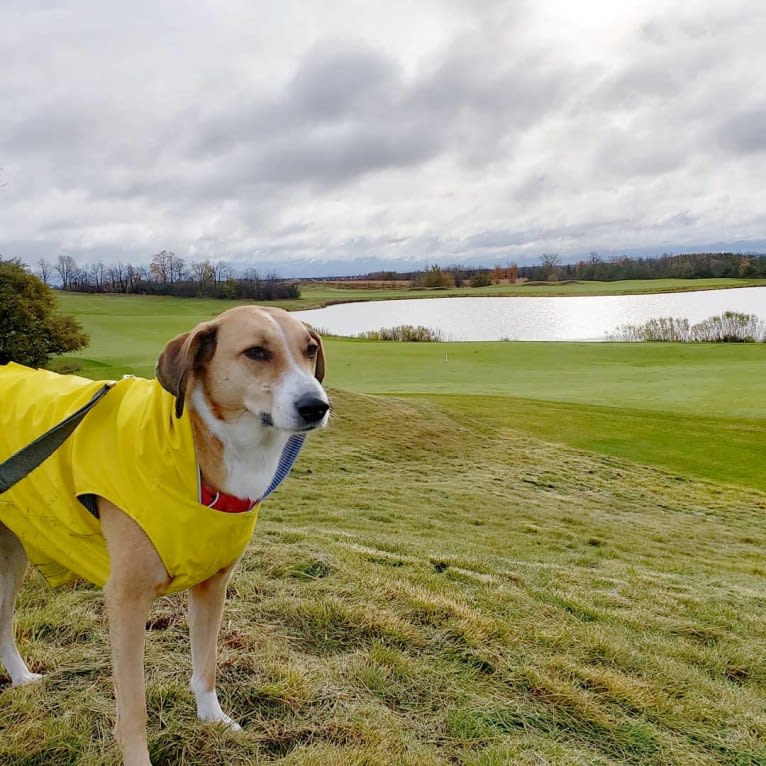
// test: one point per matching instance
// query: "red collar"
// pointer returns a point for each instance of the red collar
(220, 501)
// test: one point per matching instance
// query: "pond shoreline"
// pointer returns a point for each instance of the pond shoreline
(590, 318)
(314, 295)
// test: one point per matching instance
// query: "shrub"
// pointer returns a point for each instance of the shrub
(31, 330)
(434, 277)
(729, 327)
(481, 279)
(405, 333)
(662, 329)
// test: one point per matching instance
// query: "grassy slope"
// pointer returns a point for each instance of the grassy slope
(429, 590)
(436, 584)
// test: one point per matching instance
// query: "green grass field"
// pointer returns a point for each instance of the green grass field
(497, 554)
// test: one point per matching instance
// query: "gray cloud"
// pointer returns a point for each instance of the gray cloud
(339, 117)
(349, 110)
(745, 133)
(335, 81)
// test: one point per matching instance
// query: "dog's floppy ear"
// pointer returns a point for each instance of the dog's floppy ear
(319, 363)
(182, 356)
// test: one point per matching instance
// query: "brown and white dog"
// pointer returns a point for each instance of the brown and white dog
(250, 379)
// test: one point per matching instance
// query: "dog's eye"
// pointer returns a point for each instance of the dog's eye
(259, 353)
(312, 349)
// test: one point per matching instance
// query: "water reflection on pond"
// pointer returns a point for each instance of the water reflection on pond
(564, 318)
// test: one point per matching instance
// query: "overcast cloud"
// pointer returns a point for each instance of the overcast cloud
(363, 132)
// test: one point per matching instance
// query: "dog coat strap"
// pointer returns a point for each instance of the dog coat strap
(23, 462)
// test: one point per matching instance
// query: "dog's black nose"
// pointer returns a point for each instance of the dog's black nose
(311, 408)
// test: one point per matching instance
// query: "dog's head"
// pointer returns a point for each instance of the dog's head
(253, 360)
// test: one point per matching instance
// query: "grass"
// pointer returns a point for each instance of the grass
(429, 590)
(458, 572)
(696, 409)
(715, 379)
(727, 450)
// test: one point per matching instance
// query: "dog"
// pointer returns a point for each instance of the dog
(157, 489)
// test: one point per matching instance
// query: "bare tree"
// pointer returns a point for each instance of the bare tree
(80, 279)
(202, 272)
(550, 262)
(176, 267)
(118, 278)
(96, 272)
(66, 266)
(44, 270)
(160, 267)
(223, 273)
(136, 275)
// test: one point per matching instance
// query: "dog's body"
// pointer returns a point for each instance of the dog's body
(157, 490)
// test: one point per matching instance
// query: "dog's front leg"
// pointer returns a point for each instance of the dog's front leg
(136, 577)
(205, 610)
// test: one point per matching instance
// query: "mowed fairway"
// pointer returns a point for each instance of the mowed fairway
(497, 554)
(698, 409)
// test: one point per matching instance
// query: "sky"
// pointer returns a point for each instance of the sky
(317, 138)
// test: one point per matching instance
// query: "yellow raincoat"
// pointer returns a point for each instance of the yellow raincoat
(130, 449)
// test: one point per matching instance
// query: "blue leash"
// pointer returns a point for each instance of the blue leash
(286, 461)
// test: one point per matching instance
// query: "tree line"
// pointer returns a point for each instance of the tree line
(170, 274)
(166, 274)
(593, 268)
(685, 266)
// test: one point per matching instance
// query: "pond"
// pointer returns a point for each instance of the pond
(576, 318)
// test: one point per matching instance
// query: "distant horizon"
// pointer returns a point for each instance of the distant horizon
(327, 268)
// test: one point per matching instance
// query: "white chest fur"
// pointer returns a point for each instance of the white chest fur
(251, 450)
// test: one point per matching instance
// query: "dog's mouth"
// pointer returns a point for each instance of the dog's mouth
(310, 416)
(268, 421)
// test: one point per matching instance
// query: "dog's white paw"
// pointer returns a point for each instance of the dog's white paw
(229, 723)
(26, 679)
(222, 720)
(209, 710)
